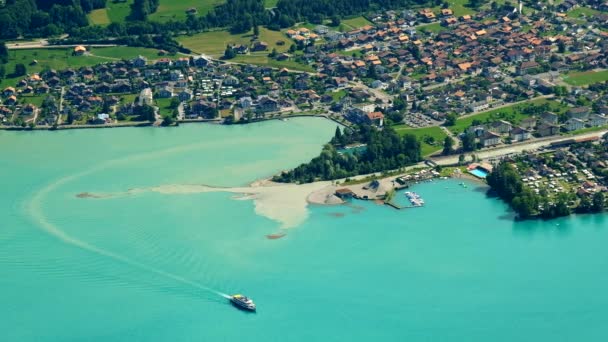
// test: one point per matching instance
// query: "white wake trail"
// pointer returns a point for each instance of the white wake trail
(33, 207)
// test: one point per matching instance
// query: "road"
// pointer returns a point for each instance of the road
(44, 44)
(515, 148)
(60, 105)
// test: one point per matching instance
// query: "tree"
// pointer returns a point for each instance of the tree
(2, 71)
(598, 202)
(229, 53)
(3, 53)
(475, 3)
(273, 53)
(561, 47)
(448, 145)
(461, 159)
(256, 31)
(450, 119)
(174, 103)
(468, 142)
(335, 20)
(167, 121)
(20, 70)
(292, 48)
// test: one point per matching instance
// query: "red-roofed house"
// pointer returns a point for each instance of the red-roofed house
(375, 118)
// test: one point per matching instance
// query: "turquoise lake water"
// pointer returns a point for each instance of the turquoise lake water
(145, 267)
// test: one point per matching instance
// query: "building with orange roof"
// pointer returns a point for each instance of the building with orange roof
(464, 66)
(79, 50)
(8, 91)
(446, 12)
(375, 118)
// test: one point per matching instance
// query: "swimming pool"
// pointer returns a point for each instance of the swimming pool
(477, 172)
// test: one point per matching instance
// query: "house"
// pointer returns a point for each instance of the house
(202, 108)
(374, 118)
(165, 92)
(182, 62)
(344, 193)
(200, 61)
(29, 109)
(490, 139)
(241, 49)
(145, 97)
(519, 134)
(549, 117)
(479, 106)
(259, 46)
(528, 123)
(596, 120)
(500, 126)
(526, 67)
(164, 63)
(230, 81)
(266, 104)
(8, 91)
(574, 124)
(546, 129)
(245, 102)
(79, 50)
(139, 61)
(580, 113)
(185, 95)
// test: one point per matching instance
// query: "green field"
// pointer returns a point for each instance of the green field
(99, 17)
(579, 12)
(176, 9)
(512, 114)
(353, 23)
(434, 27)
(263, 59)
(424, 135)
(459, 7)
(33, 99)
(164, 107)
(214, 43)
(270, 3)
(118, 11)
(62, 59)
(125, 52)
(586, 77)
(47, 59)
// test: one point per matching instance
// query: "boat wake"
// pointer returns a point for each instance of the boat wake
(33, 208)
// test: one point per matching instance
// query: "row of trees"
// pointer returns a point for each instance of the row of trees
(385, 150)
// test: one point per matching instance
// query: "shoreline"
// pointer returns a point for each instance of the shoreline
(153, 124)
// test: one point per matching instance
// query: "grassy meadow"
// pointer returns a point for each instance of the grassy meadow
(585, 77)
(431, 138)
(176, 9)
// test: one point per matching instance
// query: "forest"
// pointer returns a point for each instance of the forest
(44, 17)
(385, 150)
